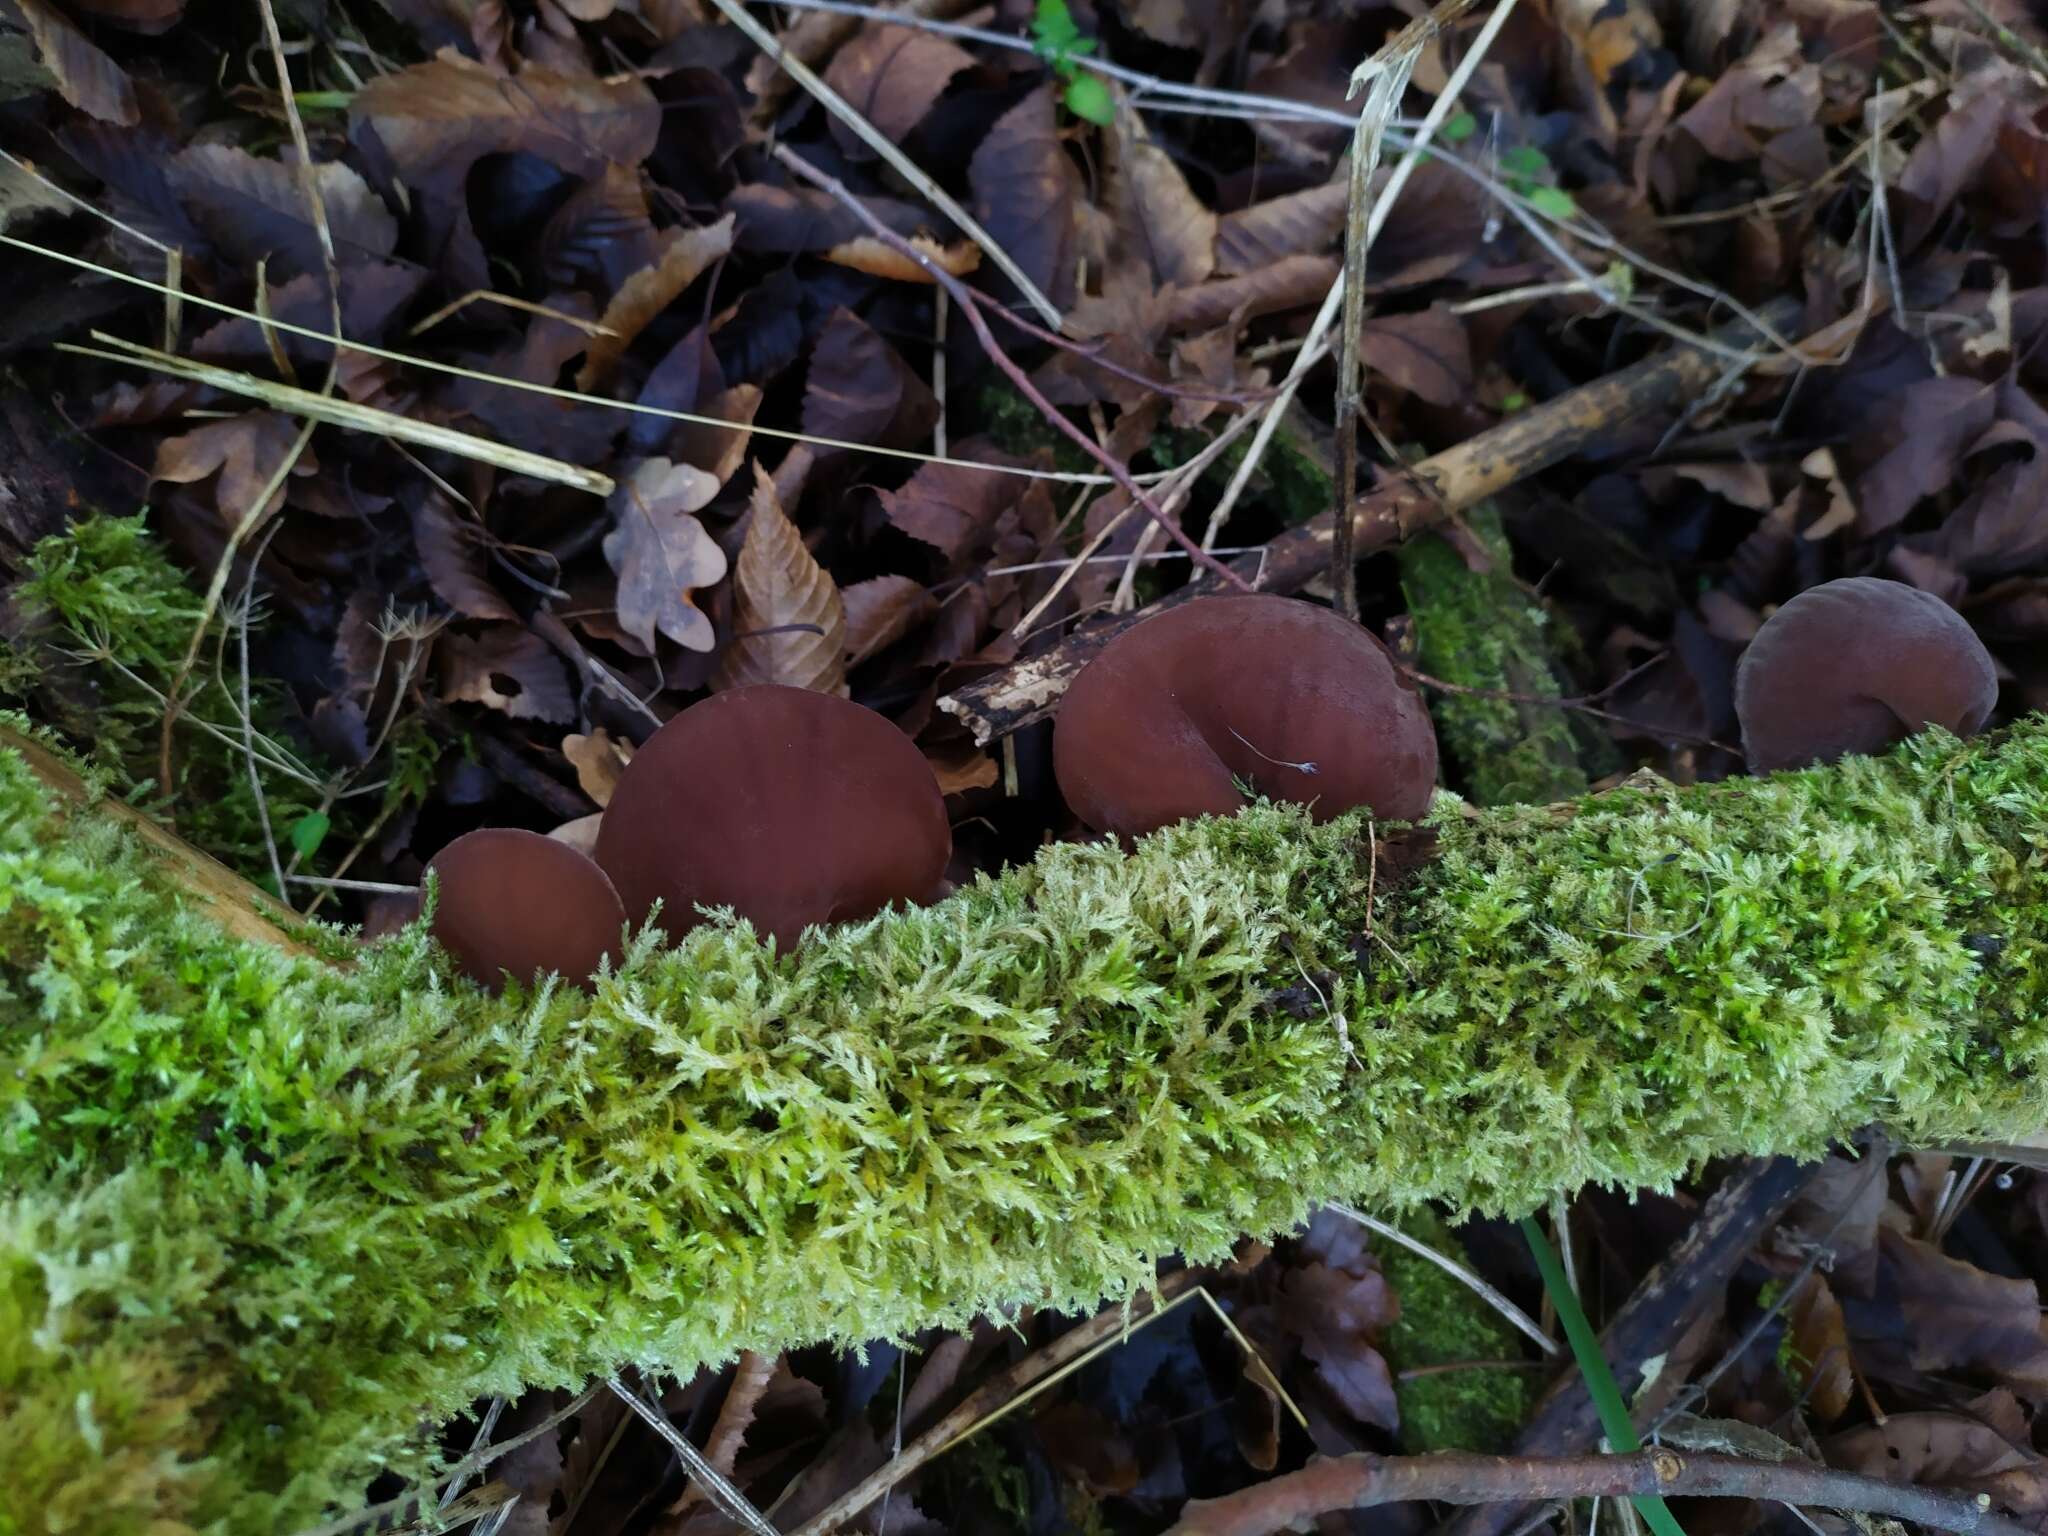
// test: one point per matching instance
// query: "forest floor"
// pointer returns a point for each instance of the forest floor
(907, 353)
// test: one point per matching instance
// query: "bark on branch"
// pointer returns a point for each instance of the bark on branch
(1456, 1477)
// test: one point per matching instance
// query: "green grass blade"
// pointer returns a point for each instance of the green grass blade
(1600, 1382)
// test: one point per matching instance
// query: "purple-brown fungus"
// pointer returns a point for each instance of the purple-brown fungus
(516, 902)
(1294, 699)
(1854, 666)
(791, 807)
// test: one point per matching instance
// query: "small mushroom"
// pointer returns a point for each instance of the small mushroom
(515, 901)
(1855, 665)
(790, 806)
(1291, 698)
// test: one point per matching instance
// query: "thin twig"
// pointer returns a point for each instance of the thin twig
(971, 313)
(718, 1488)
(884, 146)
(1364, 1481)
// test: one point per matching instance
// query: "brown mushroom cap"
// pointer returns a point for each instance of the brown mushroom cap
(1855, 665)
(515, 901)
(790, 806)
(1292, 698)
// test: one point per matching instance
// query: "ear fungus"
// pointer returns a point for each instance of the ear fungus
(1291, 698)
(1854, 666)
(516, 902)
(790, 806)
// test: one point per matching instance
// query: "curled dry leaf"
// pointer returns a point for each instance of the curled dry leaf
(1820, 1344)
(662, 554)
(644, 295)
(789, 622)
(598, 761)
(85, 76)
(244, 450)
(891, 75)
(864, 253)
(508, 669)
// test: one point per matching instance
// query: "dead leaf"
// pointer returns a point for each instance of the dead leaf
(891, 75)
(880, 611)
(1162, 221)
(1959, 1316)
(1339, 1317)
(580, 834)
(1026, 191)
(968, 768)
(1294, 282)
(719, 450)
(255, 209)
(1820, 1345)
(1088, 1449)
(431, 122)
(1298, 224)
(789, 623)
(662, 554)
(952, 507)
(860, 391)
(1916, 444)
(244, 450)
(598, 761)
(877, 258)
(85, 76)
(1947, 1450)
(1427, 353)
(147, 16)
(508, 669)
(450, 554)
(643, 296)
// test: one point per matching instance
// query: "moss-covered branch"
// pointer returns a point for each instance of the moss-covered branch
(260, 1217)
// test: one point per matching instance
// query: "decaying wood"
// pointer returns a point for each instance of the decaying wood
(1433, 490)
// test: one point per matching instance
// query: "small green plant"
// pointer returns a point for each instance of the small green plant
(1528, 172)
(1060, 44)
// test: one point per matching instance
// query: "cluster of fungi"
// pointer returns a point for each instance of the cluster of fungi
(798, 809)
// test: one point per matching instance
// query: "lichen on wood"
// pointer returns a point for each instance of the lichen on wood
(261, 1217)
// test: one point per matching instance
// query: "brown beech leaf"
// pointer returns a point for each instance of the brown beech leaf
(860, 391)
(786, 220)
(662, 554)
(1026, 191)
(892, 75)
(454, 563)
(959, 769)
(1339, 1317)
(880, 611)
(134, 15)
(1427, 353)
(644, 295)
(949, 506)
(720, 450)
(1955, 1451)
(244, 450)
(598, 761)
(1293, 282)
(1820, 1341)
(1163, 221)
(508, 669)
(789, 623)
(85, 76)
(877, 258)
(1960, 1316)
(1916, 444)
(1298, 224)
(255, 208)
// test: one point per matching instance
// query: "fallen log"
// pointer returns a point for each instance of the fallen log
(263, 1217)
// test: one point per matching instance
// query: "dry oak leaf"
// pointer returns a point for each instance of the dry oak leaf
(244, 450)
(643, 296)
(598, 761)
(789, 622)
(662, 553)
(85, 76)
(508, 669)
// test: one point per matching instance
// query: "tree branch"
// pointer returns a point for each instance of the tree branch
(1457, 1477)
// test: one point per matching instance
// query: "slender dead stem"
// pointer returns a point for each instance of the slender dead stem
(1457, 1477)
(971, 313)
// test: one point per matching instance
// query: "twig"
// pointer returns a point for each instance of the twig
(971, 313)
(1364, 1481)
(1478, 1284)
(901, 163)
(718, 1488)
(246, 617)
(750, 1378)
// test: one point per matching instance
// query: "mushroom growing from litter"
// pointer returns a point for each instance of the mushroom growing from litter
(516, 902)
(790, 806)
(1854, 666)
(1293, 699)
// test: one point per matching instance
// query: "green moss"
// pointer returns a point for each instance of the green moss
(260, 1220)
(1480, 630)
(1443, 1322)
